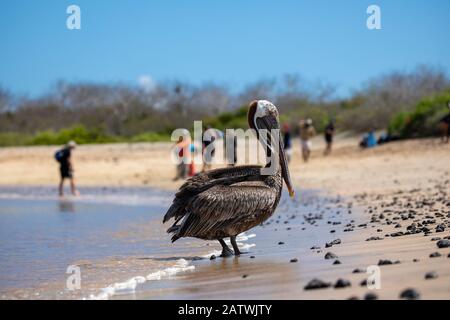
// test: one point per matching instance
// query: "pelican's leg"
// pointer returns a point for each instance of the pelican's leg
(235, 246)
(226, 252)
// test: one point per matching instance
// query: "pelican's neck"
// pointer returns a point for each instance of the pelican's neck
(272, 153)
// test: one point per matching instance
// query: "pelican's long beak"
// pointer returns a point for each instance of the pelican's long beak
(285, 169)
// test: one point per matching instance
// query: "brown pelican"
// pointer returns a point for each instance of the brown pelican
(225, 202)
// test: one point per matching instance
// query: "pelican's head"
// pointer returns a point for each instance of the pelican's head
(263, 114)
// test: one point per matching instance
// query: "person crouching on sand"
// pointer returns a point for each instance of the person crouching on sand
(64, 157)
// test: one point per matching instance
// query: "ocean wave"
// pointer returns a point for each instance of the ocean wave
(129, 286)
(114, 195)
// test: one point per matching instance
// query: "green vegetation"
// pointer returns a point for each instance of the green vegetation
(78, 133)
(150, 137)
(227, 120)
(423, 120)
(8, 139)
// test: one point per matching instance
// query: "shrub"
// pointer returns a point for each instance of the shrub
(423, 120)
(150, 137)
(78, 133)
(8, 139)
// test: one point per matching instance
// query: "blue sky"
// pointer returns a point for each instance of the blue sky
(233, 42)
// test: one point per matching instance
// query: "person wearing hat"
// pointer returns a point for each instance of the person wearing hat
(63, 156)
(307, 132)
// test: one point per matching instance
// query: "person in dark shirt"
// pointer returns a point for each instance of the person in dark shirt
(287, 141)
(444, 124)
(328, 135)
(66, 167)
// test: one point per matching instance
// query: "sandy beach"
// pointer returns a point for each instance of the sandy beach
(386, 207)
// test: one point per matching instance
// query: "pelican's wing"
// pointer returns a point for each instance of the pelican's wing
(204, 181)
(222, 206)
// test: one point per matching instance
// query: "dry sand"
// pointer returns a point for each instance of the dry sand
(398, 183)
(349, 170)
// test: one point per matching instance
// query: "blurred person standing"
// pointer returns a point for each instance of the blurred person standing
(287, 141)
(328, 135)
(192, 150)
(182, 152)
(444, 125)
(307, 132)
(64, 157)
(208, 148)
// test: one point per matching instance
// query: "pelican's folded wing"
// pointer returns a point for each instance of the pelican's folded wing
(221, 207)
(204, 181)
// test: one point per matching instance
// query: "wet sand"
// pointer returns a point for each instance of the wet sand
(360, 195)
(291, 251)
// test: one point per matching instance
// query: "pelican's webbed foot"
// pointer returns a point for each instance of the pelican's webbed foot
(226, 252)
(235, 246)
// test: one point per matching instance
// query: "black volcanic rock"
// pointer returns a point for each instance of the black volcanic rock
(431, 275)
(443, 243)
(384, 262)
(317, 284)
(358, 270)
(374, 238)
(410, 294)
(370, 296)
(330, 255)
(435, 255)
(342, 283)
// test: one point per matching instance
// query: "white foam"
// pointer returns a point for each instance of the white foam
(242, 246)
(247, 246)
(245, 237)
(130, 285)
